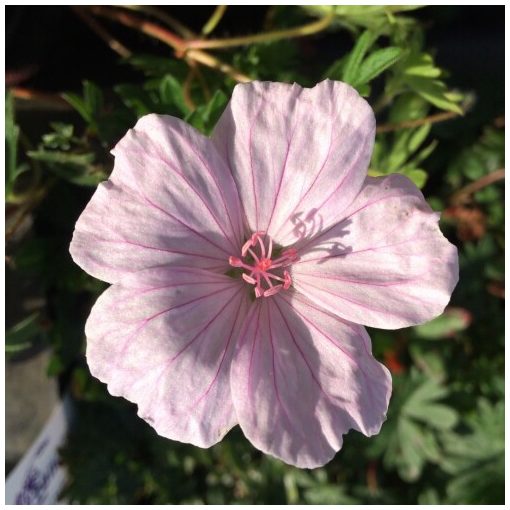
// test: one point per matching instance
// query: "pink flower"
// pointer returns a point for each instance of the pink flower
(244, 265)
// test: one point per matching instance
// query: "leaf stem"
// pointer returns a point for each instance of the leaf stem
(215, 18)
(161, 15)
(406, 124)
(304, 30)
(96, 27)
(177, 43)
(463, 194)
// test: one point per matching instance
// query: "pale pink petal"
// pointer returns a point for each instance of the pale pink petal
(163, 338)
(299, 156)
(386, 264)
(302, 377)
(170, 199)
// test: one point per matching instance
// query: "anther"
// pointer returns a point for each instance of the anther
(260, 268)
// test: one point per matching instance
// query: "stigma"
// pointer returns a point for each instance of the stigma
(268, 276)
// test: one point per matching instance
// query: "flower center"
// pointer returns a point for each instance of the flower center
(259, 266)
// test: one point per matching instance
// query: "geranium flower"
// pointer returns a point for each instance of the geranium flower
(244, 266)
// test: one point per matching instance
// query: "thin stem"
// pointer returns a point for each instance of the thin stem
(161, 15)
(40, 99)
(96, 27)
(169, 38)
(304, 30)
(406, 124)
(215, 18)
(195, 69)
(463, 194)
(186, 90)
(208, 60)
(25, 210)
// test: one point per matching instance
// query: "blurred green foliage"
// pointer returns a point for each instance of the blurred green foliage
(443, 441)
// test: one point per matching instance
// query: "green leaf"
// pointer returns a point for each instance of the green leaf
(475, 460)
(422, 65)
(417, 175)
(438, 416)
(377, 63)
(408, 106)
(136, 99)
(93, 97)
(418, 137)
(336, 70)
(428, 391)
(61, 136)
(446, 325)
(152, 65)
(356, 56)
(412, 458)
(433, 91)
(90, 105)
(204, 118)
(63, 158)
(20, 337)
(328, 495)
(171, 93)
(79, 104)
(73, 167)
(11, 144)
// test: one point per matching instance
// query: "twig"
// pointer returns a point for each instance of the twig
(96, 27)
(186, 90)
(463, 194)
(215, 18)
(40, 98)
(304, 30)
(406, 124)
(198, 74)
(169, 38)
(168, 20)
(36, 198)
(210, 61)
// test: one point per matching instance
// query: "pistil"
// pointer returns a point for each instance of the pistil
(259, 270)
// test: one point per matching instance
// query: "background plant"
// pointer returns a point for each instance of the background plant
(443, 441)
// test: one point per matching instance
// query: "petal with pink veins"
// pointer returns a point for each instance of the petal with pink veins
(163, 338)
(302, 377)
(298, 155)
(386, 264)
(170, 200)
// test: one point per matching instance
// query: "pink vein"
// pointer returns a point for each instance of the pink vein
(275, 383)
(211, 173)
(282, 173)
(199, 195)
(368, 204)
(300, 351)
(253, 351)
(149, 319)
(237, 315)
(360, 282)
(331, 340)
(300, 201)
(184, 224)
(250, 138)
(361, 305)
(132, 243)
(372, 248)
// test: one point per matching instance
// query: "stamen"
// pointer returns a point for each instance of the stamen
(260, 267)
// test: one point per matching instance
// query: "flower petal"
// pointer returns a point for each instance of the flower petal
(299, 156)
(302, 377)
(163, 338)
(170, 199)
(386, 264)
